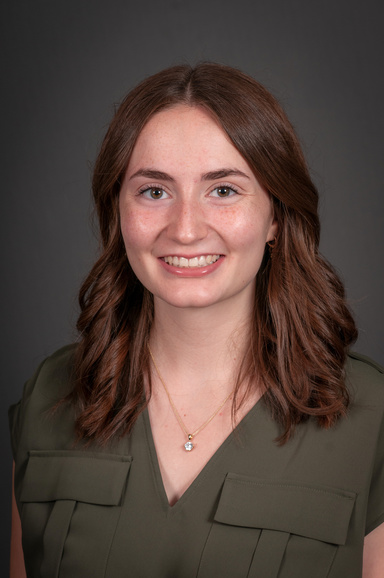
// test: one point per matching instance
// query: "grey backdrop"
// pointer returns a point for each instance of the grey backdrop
(64, 66)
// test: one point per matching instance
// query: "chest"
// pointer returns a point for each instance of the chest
(253, 510)
(179, 466)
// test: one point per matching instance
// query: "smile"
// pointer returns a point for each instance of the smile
(201, 261)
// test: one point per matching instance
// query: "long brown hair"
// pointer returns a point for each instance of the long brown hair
(302, 327)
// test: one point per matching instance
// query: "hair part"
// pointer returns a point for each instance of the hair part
(301, 328)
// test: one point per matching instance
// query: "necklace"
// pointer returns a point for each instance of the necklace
(188, 446)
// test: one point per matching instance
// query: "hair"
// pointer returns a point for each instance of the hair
(301, 327)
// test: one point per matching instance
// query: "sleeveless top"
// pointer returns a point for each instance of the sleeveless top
(255, 510)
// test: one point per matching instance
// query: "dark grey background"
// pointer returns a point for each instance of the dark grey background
(64, 66)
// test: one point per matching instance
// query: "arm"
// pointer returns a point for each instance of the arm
(373, 555)
(17, 568)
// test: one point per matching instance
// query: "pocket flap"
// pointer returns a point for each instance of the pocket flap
(95, 478)
(316, 512)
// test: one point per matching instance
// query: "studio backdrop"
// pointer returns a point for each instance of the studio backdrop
(65, 65)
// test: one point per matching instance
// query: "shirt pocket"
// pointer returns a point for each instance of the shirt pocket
(275, 529)
(70, 508)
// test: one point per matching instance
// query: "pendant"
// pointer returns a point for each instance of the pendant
(189, 445)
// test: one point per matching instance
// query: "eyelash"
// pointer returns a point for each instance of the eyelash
(225, 186)
(148, 188)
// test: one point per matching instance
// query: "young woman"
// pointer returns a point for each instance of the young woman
(210, 421)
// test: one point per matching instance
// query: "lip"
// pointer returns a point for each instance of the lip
(191, 271)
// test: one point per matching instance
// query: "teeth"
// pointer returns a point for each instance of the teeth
(201, 261)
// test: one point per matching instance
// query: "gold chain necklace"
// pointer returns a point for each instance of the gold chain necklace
(188, 445)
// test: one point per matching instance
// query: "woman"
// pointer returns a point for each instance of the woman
(210, 421)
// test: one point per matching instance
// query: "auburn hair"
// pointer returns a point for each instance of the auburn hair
(301, 327)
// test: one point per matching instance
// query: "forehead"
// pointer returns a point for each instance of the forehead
(184, 134)
(180, 113)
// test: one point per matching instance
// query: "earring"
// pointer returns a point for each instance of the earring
(272, 245)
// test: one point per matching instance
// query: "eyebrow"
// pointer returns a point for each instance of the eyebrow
(222, 173)
(210, 176)
(152, 174)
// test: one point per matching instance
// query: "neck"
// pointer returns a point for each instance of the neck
(199, 348)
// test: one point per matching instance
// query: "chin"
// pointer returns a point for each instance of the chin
(188, 301)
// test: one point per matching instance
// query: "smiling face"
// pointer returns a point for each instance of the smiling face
(194, 218)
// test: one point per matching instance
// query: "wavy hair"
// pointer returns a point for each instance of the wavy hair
(301, 328)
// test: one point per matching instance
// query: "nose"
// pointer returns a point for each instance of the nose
(187, 223)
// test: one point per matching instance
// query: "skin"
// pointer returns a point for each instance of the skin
(184, 155)
(373, 554)
(17, 568)
(189, 193)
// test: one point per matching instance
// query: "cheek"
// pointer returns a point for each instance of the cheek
(135, 227)
(247, 229)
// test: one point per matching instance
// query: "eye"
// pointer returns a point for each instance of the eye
(154, 193)
(223, 192)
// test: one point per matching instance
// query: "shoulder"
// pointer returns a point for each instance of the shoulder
(53, 377)
(32, 418)
(364, 365)
(365, 379)
(365, 383)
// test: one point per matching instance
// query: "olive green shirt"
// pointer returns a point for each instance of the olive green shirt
(257, 509)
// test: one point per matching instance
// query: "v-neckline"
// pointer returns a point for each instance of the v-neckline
(193, 486)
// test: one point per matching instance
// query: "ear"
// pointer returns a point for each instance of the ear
(273, 231)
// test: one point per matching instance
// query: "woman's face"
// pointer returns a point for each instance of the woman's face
(194, 218)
